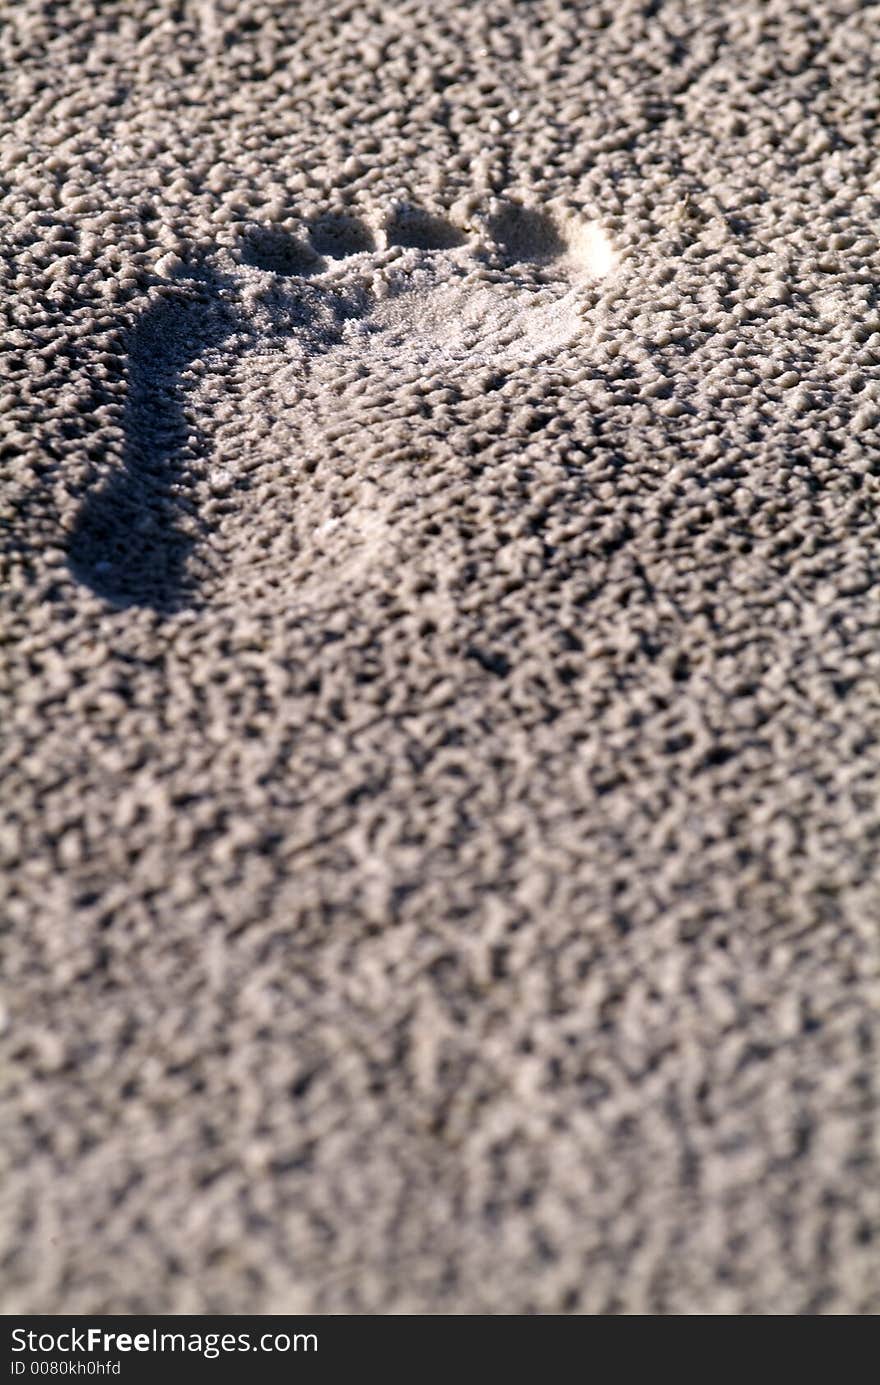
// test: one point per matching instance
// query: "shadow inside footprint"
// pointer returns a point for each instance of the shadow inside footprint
(133, 537)
(340, 236)
(128, 544)
(524, 233)
(277, 252)
(411, 226)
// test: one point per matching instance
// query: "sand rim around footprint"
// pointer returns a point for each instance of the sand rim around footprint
(304, 312)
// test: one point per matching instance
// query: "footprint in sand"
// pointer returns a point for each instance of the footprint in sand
(416, 292)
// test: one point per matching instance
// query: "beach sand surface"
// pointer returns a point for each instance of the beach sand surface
(440, 726)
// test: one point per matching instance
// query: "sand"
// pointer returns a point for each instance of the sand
(440, 710)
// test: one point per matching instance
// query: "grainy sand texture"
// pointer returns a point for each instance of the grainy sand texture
(440, 728)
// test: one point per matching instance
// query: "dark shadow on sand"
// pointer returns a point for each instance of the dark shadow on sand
(130, 544)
